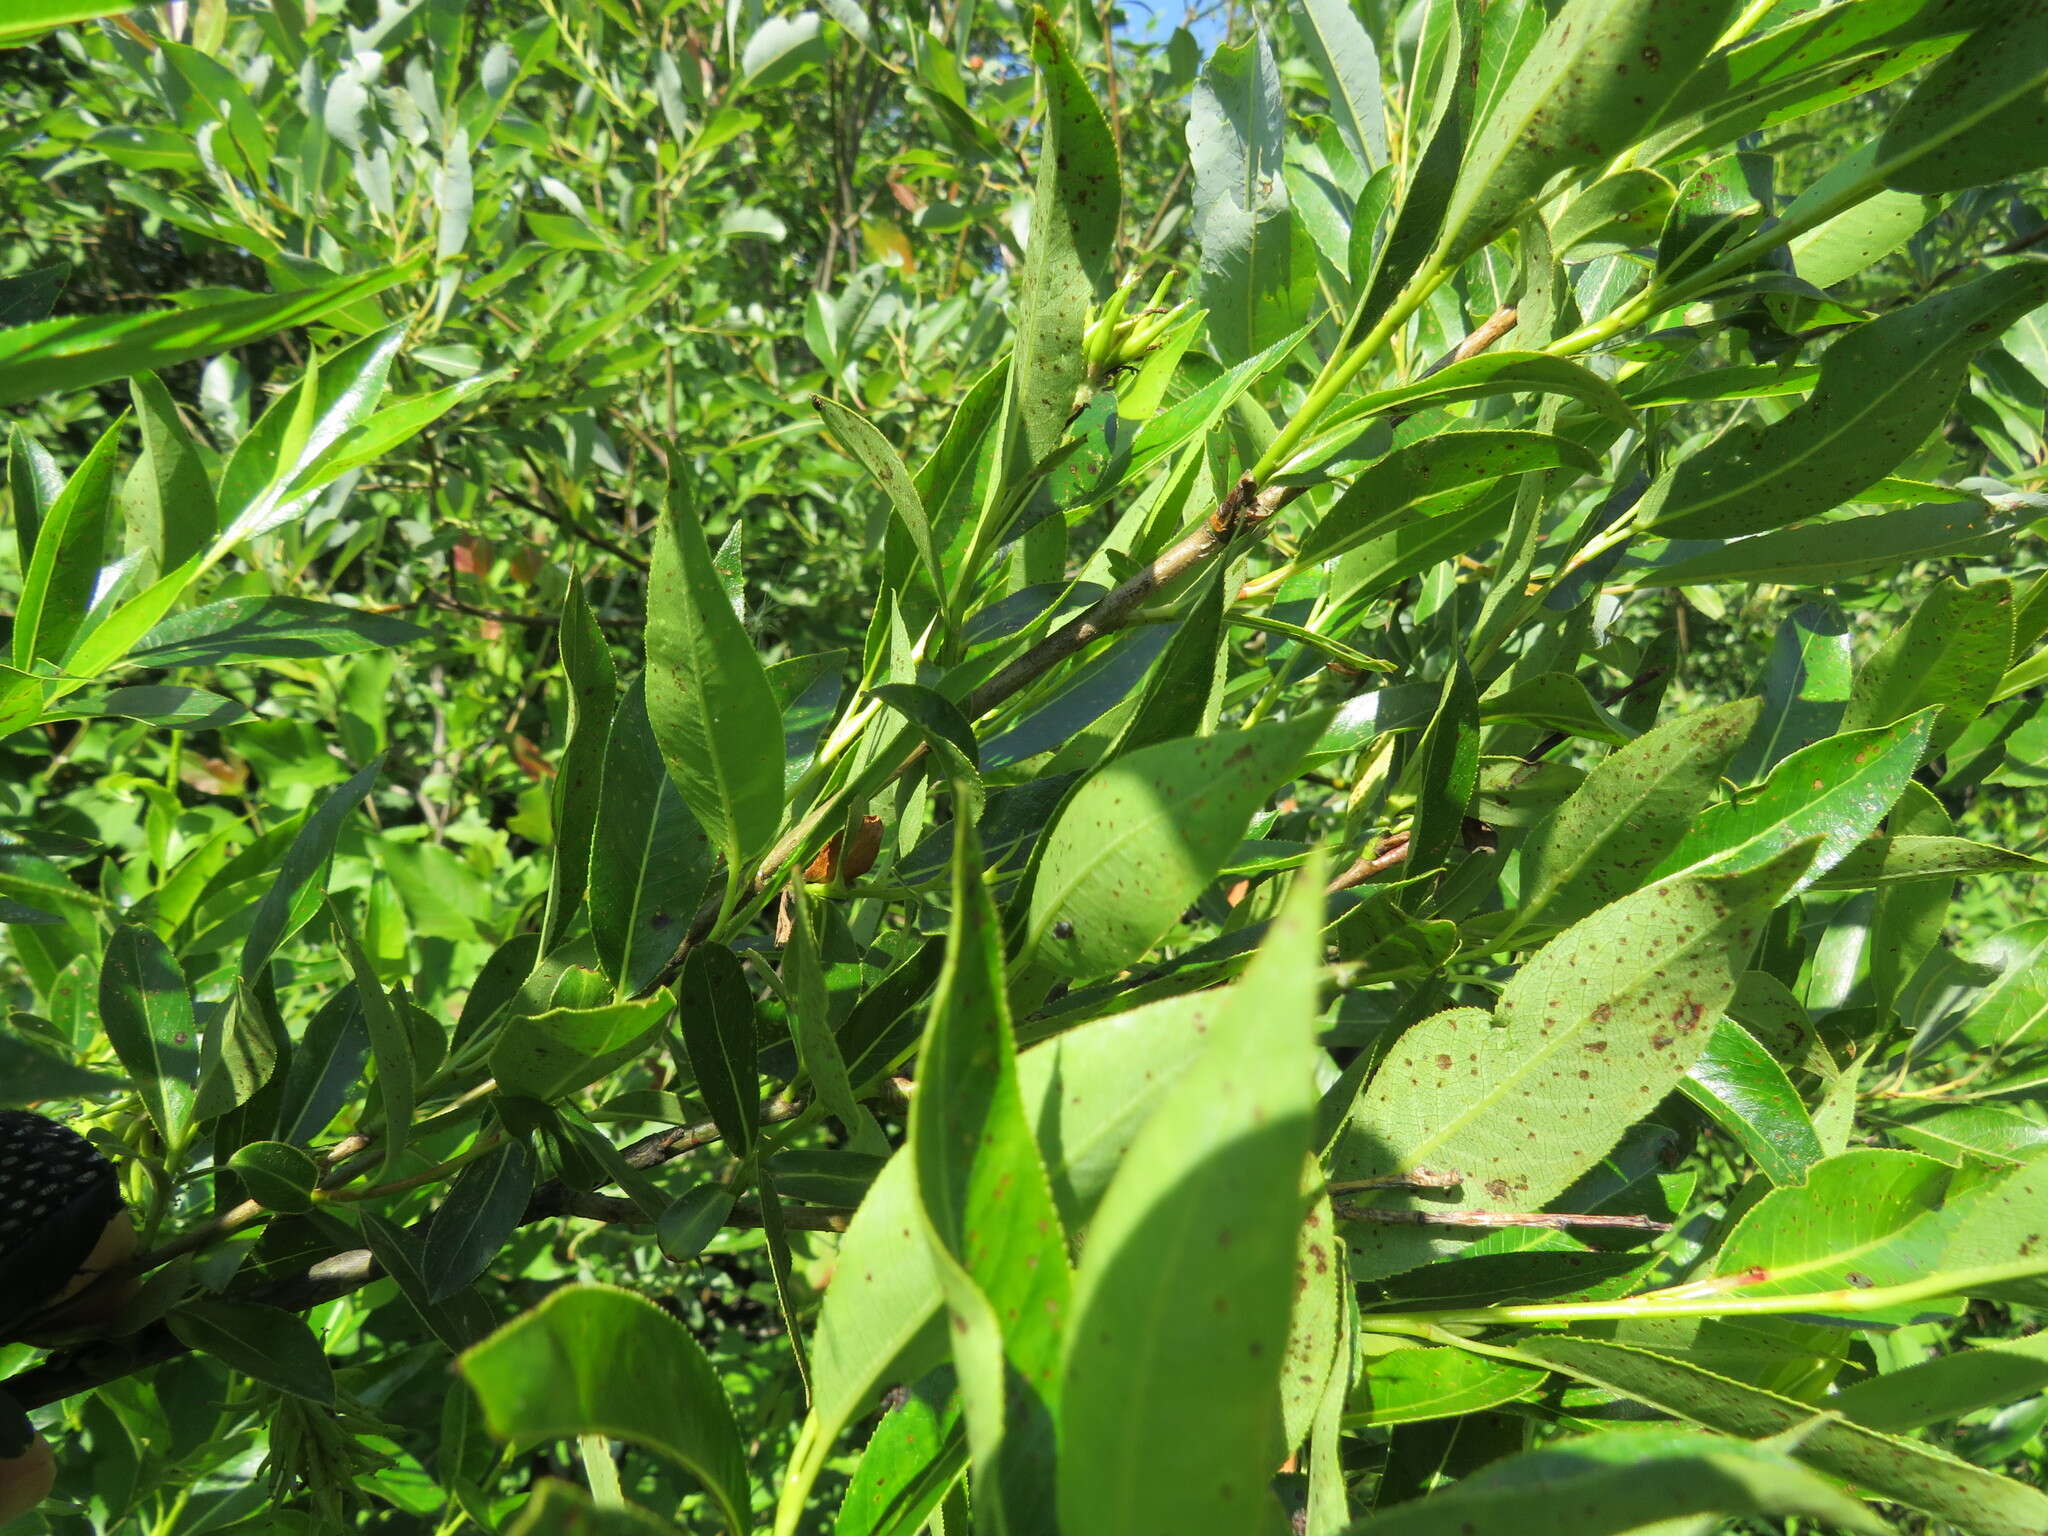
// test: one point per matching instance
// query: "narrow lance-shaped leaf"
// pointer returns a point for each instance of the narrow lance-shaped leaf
(1075, 206)
(1805, 687)
(254, 628)
(712, 709)
(1632, 809)
(649, 859)
(1350, 67)
(483, 1207)
(1588, 1037)
(1597, 78)
(1741, 1085)
(715, 1012)
(1952, 652)
(1883, 388)
(266, 1344)
(593, 697)
(1257, 262)
(167, 499)
(997, 1240)
(1627, 1480)
(282, 910)
(57, 587)
(1182, 1302)
(1976, 117)
(803, 978)
(1446, 768)
(74, 352)
(147, 1013)
(860, 438)
(1426, 472)
(1088, 1091)
(1906, 1471)
(1836, 790)
(266, 481)
(390, 1045)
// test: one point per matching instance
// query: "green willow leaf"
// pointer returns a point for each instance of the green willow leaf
(1952, 653)
(1087, 1092)
(1184, 690)
(1257, 274)
(1805, 686)
(859, 437)
(1883, 388)
(1632, 809)
(147, 1014)
(715, 1012)
(391, 1044)
(593, 700)
(258, 628)
(1598, 77)
(266, 1344)
(1995, 1374)
(483, 1207)
(549, 1054)
(1446, 771)
(1381, 495)
(1976, 117)
(76, 352)
(1856, 1220)
(1138, 841)
(167, 500)
(997, 1243)
(1905, 1471)
(277, 1174)
(71, 544)
(714, 715)
(1822, 554)
(1477, 378)
(1742, 1087)
(650, 861)
(915, 1455)
(1836, 790)
(811, 1025)
(1588, 1037)
(1410, 1385)
(274, 473)
(554, 1373)
(290, 901)
(1350, 66)
(1626, 1480)
(1983, 1132)
(1170, 1416)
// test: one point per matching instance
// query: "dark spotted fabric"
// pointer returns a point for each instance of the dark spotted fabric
(57, 1194)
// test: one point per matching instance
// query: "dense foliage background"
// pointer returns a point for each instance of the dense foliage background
(1189, 776)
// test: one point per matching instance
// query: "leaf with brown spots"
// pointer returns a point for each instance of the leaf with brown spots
(1633, 808)
(1596, 79)
(1835, 791)
(1588, 1038)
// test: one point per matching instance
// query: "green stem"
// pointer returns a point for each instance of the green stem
(1332, 381)
(412, 1181)
(1713, 1298)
